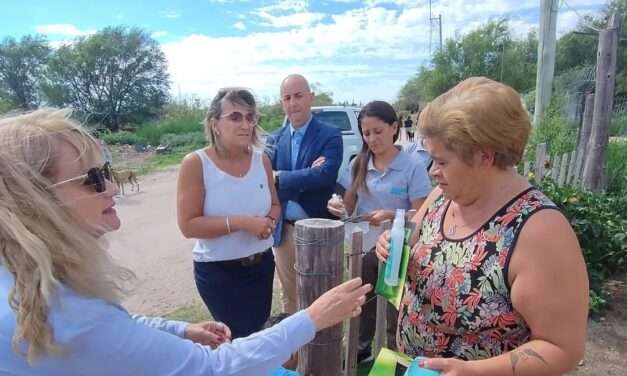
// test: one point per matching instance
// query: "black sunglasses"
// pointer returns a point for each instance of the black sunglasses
(95, 176)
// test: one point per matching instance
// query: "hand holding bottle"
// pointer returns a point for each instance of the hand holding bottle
(336, 206)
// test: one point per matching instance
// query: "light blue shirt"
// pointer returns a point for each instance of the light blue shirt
(418, 148)
(293, 210)
(102, 339)
(404, 181)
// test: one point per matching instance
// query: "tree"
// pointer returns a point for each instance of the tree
(115, 76)
(322, 98)
(488, 51)
(575, 50)
(22, 65)
(578, 49)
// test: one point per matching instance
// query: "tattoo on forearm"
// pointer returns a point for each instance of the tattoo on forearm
(523, 354)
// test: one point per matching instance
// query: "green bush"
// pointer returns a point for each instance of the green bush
(617, 168)
(270, 124)
(192, 139)
(271, 117)
(601, 228)
(122, 138)
(180, 123)
(6, 106)
(618, 126)
(554, 130)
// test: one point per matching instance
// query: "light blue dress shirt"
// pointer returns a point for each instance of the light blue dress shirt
(418, 148)
(293, 210)
(102, 339)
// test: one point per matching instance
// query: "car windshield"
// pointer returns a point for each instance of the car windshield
(336, 118)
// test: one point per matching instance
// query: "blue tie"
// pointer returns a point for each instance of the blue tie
(297, 137)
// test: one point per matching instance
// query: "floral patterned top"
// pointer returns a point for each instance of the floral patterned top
(457, 297)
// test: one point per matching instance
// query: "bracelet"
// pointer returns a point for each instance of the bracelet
(228, 225)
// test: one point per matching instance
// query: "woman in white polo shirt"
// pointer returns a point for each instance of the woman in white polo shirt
(381, 179)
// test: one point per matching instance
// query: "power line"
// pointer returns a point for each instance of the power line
(582, 19)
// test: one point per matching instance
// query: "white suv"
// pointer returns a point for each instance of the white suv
(344, 118)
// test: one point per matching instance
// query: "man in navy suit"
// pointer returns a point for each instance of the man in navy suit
(306, 156)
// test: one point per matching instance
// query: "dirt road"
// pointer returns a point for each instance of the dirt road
(151, 244)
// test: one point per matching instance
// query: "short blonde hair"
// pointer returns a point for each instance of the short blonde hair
(39, 244)
(479, 113)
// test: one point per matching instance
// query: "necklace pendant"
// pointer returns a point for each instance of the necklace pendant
(451, 229)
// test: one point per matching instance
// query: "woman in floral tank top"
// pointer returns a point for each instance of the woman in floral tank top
(496, 283)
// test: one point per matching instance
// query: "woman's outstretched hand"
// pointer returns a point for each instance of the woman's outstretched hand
(338, 304)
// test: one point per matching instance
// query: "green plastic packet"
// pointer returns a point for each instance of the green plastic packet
(394, 294)
(390, 363)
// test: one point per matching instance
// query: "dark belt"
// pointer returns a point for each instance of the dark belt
(248, 260)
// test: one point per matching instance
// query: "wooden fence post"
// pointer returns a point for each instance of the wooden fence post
(595, 169)
(571, 166)
(380, 335)
(555, 166)
(319, 267)
(354, 269)
(540, 159)
(586, 126)
(563, 168)
(581, 151)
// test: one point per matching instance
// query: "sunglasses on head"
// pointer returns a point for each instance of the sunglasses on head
(95, 176)
(237, 117)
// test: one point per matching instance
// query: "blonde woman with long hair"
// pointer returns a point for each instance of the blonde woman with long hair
(60, 291)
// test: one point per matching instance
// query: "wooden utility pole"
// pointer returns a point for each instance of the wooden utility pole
(546, 56)
(595, 168)
(319, 267)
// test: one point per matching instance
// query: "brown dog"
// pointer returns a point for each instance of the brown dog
(124, 176)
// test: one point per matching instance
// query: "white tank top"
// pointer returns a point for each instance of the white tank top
(233, 196)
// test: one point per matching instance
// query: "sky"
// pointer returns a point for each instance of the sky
(357, 50)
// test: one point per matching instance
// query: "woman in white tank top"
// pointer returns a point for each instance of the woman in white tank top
(228, 202)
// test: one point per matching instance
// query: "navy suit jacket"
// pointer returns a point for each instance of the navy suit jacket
(310, 187)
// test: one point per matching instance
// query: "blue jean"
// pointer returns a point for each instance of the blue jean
(237, 295)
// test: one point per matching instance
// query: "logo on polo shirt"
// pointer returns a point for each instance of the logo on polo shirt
(395, 190)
